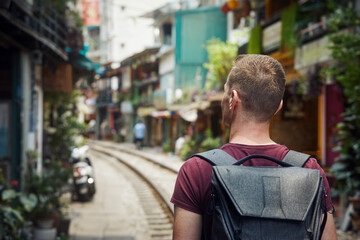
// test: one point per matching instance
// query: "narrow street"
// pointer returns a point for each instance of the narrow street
(170, 75)
(115, 212)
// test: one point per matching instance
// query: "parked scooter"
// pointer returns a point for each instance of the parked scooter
(83, 174)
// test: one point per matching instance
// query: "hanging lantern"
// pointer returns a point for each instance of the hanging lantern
(225, 8)
(233, 4)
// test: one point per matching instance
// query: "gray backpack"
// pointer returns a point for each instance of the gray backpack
(267, 203)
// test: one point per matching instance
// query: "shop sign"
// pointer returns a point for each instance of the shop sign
(145, 111)
(314, 52)
(90, 13)
(161, 114)
(60, 80)
(271, 36)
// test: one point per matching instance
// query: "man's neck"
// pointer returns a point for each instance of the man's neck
(250, 133)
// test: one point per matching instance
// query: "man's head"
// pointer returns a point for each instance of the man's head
(259, 82)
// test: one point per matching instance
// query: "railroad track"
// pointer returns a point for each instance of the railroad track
(152, 182)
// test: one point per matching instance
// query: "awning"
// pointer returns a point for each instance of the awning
(216, 97)
(82, 61)
(189, 111)
(189, 115)
(201, 105)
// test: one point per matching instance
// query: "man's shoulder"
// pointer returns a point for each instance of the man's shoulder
(312, 163)
(195, 161)
(196, 165)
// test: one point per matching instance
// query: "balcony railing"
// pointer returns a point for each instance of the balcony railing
(107, 97)
(42, 24)
(147, 99)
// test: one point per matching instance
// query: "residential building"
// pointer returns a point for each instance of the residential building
(33, 41)
(184, 28)
(122, 31)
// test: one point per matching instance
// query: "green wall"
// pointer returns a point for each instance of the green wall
(193, 29)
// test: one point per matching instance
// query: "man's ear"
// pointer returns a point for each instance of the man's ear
(235, 95)
(280, 106)
(234, 99)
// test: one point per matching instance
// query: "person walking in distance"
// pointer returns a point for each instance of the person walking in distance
(253, 94)
(139, 133)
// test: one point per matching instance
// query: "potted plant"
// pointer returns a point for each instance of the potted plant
(14, 207)
(63, 224)
(48, 189)
(209, 142)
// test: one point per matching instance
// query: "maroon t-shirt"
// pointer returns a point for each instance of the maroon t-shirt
(193, 185)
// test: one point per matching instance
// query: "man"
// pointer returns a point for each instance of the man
(253, 94)
(139, 132)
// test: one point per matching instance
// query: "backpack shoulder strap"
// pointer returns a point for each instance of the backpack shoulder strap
(217, 157)
(296, 159)
(299, 159)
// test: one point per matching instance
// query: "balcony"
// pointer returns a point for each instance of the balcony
(107, 98)
(314, 30)
(146, 100)
(33, 26)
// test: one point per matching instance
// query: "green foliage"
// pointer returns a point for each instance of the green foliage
(135, 94)
(342, 15)
(189, 149)
(32, 154)
(346, 50)
(75, 17)
(13, 208)
(63, 236)
(59, 5)
(117, 137)
(288, 39)
(66, 126)
(47, 189)
(191, 146)
(221, 56)
(2, 178)
(167, 146)
(209, 142)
